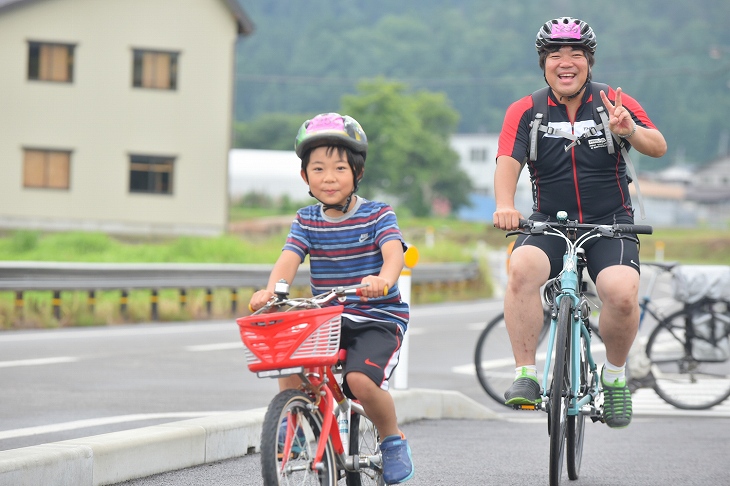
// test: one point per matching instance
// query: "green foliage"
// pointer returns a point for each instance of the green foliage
(271, 131)
(409, 156)
(674, 57)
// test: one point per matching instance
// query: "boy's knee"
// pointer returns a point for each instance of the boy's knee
(359, 383)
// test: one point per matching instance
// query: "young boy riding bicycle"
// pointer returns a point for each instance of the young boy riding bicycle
(351, 240)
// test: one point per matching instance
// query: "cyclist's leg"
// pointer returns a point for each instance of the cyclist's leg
(532, 262)
(372, 354)
(614, 265)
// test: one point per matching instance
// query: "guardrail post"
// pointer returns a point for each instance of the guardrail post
(123, 301)
(91, 301)
(56, 302)
(183, 299)
(400, 375)
(234, 301)
(209, 301)
(19, 305)
(154, 315)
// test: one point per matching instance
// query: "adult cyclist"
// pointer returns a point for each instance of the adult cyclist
(571, 169)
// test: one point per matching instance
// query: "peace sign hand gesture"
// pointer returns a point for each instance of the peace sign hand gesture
(620, 121)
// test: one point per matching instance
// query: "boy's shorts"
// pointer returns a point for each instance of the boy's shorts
(373, 348)
(600, 252)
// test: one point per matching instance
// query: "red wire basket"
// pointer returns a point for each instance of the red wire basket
(282, 340)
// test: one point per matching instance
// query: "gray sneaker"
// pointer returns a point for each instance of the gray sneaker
(525, 390)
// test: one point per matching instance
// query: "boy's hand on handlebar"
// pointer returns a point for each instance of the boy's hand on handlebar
(376, 287)
(507, 219)
(259, 299)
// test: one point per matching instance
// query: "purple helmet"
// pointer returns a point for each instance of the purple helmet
(331, 129)
(566, 31)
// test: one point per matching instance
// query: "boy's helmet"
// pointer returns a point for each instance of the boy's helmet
(565, 31)
(331, 129)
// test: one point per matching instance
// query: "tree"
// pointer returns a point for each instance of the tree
(409, 155)
(270, 131)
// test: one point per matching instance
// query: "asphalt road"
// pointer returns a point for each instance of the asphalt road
(650, 452)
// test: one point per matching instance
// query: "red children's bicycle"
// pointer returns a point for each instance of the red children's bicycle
(313, 435)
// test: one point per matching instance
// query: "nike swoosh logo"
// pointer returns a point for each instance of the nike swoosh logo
(370, 363)
(633, 262)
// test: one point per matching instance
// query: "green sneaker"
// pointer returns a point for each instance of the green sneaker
(617, 408)
(525, 390)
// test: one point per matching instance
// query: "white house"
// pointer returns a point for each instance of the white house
(117, 114)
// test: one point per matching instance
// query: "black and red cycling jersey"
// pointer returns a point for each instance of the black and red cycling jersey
(586, 181)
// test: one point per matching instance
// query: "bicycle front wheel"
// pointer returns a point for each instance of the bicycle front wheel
(493, 358)
(364, 448)
(576, 423)
(560, 392)
(291, 430)
(694, 373)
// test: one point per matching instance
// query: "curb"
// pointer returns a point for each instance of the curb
(119, 456)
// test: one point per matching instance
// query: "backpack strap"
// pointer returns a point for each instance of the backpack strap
(600, 110)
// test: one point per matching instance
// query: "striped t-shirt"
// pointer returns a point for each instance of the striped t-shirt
(342, 251)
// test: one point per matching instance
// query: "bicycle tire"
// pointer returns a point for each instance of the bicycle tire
(364, 442)
(297, 407)
(576, 423)
(559, 392)
(679, 378)
(493, 359)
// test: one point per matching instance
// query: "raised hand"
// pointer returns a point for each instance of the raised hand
(619, 118)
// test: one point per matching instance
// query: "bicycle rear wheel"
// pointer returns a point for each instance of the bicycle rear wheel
(493, 358)
(364, 446)
(576, 423)
(690, 374)
(292, 423)
(559, 393)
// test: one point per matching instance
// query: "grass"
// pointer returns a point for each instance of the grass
(437, 239)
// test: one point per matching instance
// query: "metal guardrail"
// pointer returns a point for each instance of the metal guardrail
(23, 276)
(61, 276)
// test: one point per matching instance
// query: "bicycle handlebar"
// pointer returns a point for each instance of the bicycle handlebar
(281, 297)
(538, 227)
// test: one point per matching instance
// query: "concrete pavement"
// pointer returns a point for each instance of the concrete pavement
(115, 457)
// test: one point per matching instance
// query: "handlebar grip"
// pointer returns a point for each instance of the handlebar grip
(358, 292)
(250, 308)
(524, 223)
(637, 229)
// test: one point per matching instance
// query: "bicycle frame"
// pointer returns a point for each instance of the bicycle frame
(303, 340)
(569, 289)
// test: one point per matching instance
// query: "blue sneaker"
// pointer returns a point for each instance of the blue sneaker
(298, 443)
(397, 460)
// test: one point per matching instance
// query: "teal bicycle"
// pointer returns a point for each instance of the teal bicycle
(571, 381)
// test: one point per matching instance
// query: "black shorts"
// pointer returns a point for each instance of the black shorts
(373, 348)
(600, 252)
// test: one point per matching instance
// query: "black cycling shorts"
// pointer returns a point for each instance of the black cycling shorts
(600, 252)
(373, 348)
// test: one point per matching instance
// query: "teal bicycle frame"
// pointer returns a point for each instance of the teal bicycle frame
(569, 283)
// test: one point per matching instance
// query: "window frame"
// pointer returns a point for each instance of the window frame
(47, 169)
(145, 59)
(36, 64)
(156, 183)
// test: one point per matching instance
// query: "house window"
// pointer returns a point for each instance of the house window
(150, 174)
(50, 62)
(478, 155)
(155, 69)
(46, 168)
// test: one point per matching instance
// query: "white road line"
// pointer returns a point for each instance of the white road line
(215, 347)
(80, 424)
(38, 362)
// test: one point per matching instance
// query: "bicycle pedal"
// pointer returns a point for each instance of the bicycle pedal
(526, 407)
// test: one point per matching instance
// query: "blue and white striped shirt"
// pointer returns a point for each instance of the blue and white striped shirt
(342, 251)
